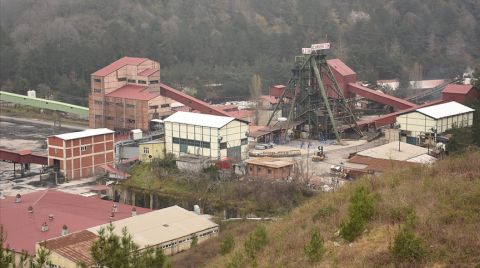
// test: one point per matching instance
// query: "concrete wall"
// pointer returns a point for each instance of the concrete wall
(264, 172)
(156, 150)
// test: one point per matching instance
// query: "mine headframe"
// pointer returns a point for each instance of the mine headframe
(313, 98)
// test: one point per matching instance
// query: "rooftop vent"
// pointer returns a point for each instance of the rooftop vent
(50, 217)
(64, 230)
(134, 211)
(30, 209)
(44, 227)
(18, 198)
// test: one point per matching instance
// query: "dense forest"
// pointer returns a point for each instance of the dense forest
(53, 45)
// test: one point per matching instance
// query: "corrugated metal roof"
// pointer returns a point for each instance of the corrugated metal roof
(84, 133)
(161, 226)
(76, 211)
(340, 67)
(270, 162)
(206, 120)
(445, 110)
(457, 89)
(148, 72)
(132, 92)
(112, 67)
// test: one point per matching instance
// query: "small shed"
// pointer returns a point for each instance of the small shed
(269, 168)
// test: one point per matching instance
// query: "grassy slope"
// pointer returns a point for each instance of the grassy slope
(446, 198)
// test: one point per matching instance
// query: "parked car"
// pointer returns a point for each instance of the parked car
(263, 146)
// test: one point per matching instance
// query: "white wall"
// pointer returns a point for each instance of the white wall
(232, 133)
(415, 123)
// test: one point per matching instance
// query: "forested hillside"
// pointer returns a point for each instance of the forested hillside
(53, 45)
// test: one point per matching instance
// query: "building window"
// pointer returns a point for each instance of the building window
(109, 118)
(130, 106)
(258, 169)
(153, 82)
(164, 105)
(98, 117)
(131, 121)
(142, 82)
(83, 148)
(97, 90)
(121, 79)
(132, 81)
(269, 171)
(107, 103)
(119, 104)
(244, 141)
(97, 80)
(251, 169)
(146, 150)
(98, 102)
(223, 145)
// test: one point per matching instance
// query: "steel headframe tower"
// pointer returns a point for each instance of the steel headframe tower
(313, 97)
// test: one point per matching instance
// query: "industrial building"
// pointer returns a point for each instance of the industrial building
(431, 120)
(206, 135)
(269, 168)
(77, 154)
(170, 229)
(23, 216)
(126, 95)
(155, 149)
(460, 93)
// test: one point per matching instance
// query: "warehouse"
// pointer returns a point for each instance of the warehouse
(206, 135)
(170, 229)
(77, 154)
(434, 119)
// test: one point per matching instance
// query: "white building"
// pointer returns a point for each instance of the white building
(206, 135)
(437, 118)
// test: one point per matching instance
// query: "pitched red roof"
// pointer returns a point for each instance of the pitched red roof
(76, 211)
(112, 67)
(148, 72)
(132, 92)
(457, 89)
(74, 247)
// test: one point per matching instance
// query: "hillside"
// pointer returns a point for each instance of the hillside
(440, 204)
(53, 46)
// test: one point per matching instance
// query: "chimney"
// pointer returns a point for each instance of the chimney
(18, 198)
(44, 227)
(134, 211)
(30, 209)
(64, 230)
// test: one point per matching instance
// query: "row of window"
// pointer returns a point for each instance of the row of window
(196, 143)
(187, 239)
(107, 103)
(130, 121)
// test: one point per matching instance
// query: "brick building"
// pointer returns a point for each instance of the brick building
(269, 168)
(77, 154)
(125, 95)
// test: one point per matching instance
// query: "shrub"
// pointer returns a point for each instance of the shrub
(407, 246)
(360, 210)
(227, 245)
(324, 212)
(256, 242)
(314, 250)
(238, 261)
(194, 242)
(352, 228)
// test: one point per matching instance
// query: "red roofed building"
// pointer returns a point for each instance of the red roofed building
(126, 95)
(56, 209)
(460, 93)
